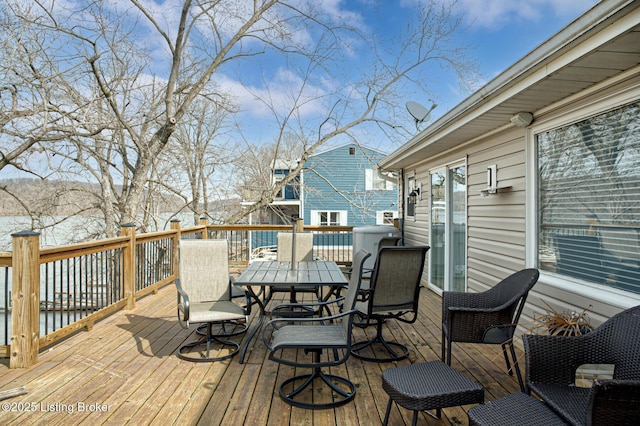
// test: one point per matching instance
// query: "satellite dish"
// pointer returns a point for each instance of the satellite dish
(419, 112)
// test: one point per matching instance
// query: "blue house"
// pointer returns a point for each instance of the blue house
(341, 186)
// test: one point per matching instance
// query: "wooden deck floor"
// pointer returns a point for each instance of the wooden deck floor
(125, 371)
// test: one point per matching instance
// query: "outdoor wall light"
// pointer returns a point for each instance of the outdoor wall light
(413, 196)
(492, 182)
(522, 119)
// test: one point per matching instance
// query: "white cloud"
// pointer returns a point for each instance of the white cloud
(283, 92)
(493, 14)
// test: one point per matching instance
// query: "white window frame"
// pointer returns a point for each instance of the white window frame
(342, 217)
(374, 182)
(447, 214)
(380, 217)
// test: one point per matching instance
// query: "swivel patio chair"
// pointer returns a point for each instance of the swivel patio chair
(489, 317)
(393, 294)
(331, 334)
(304, 253)
(552, 362)
(204, 297)
(366, 272)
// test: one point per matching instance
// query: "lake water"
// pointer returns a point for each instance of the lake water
(73, 229)
(63, 230)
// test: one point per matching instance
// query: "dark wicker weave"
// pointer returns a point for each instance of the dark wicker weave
(552, 362)
(428, 386)
(489, 317)
(516, 409)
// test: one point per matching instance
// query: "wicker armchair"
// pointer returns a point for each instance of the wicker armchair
(489, 317)
(552, 362)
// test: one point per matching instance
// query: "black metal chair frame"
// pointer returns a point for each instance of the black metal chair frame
(374, 311)
(302, 333)
(489, 317)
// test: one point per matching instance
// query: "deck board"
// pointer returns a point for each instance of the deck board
(128, 363)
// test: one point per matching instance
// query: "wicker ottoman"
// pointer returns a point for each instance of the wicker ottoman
(428, 386)
(516, 409)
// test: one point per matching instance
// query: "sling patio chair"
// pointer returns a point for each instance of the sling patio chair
(489, 317)
(394, 291)
(303, 253)
(330, 335)
(204, 297)
(366, 272)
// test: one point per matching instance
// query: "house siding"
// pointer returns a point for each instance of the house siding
(493, 249)
(590, 67)
(497, 223)
(335, 181)
(488, 239)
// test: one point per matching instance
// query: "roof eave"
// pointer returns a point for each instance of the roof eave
(510, 82)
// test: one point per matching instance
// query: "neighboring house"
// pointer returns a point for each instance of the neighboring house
(342, 187)
(287, 205)
(539, 168)
(339, 186)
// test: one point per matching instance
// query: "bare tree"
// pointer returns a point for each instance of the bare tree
(104, 88)
(198, 156)
(375, 99)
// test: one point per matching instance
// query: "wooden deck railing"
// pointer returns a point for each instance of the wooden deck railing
(50, 293)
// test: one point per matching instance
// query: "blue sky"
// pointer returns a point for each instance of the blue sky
(500, 31)
(504, 31)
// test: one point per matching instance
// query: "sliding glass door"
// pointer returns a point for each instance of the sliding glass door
(447, 257)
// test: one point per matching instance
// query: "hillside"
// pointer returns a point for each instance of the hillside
(59, 198)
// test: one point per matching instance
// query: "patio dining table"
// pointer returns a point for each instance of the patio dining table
(276, 273)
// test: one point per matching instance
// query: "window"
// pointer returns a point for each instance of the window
(375, 182)
(448, 205)
(277, 179)
(291, 191)
(328, 218)
(589, 199)
(386, 217)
